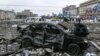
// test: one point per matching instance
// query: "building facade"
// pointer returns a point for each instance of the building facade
(70, 11)
(24, 14)
(90, 9)
(64, 10)
(7, 15)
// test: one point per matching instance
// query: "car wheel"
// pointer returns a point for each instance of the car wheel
(26, 43)
(2, 39)
(73, 49)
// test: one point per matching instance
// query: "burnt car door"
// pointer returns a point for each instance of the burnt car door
(53, 35)
(38, 34)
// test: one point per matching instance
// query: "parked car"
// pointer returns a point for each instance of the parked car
(44, 34)
(33, 19)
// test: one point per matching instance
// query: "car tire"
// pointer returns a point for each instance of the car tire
(73, 49)
(26, 43)
(2, 39)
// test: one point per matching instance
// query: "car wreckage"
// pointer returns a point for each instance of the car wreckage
(58, 36)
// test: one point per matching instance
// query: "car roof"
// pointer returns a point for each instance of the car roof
(45, 23)
(50, 23)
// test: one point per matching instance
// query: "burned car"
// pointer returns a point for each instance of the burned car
(44, 34)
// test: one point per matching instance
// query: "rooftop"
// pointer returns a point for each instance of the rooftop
(6, 11)
(89, 2)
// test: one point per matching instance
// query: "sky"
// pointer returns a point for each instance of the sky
(41, 7)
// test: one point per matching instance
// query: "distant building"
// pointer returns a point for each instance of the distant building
(65, 14)
(70, 11)
(90, 9)
(7, 15)
(24, 14)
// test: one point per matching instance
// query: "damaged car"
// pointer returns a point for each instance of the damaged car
(58, 36)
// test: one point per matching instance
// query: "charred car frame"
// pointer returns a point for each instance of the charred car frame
(45, 34)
